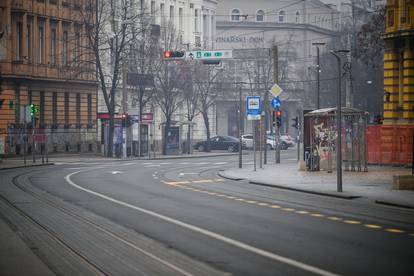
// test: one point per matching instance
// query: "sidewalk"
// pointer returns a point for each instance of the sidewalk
(375, 185)
(18, 162)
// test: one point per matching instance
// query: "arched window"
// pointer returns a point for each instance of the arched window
(260, 16)
(297, 17)
(281, 17)
(235, 15)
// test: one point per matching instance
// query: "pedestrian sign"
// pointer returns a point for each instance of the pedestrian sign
(276, 103)
(209, 55)
(276, 90)
(253, 107)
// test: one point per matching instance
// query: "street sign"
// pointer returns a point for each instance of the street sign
(253, 107)
(209, 55)
(276, 103)
(276, 90)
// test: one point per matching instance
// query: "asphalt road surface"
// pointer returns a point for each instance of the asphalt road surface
(178, 217)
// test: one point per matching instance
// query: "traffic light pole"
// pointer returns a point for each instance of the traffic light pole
(276, 79)
(33, 139)
(240, 128)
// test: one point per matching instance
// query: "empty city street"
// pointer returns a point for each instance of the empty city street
(177, 216)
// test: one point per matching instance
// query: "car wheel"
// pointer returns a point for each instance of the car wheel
(201, 148)
(230, 149)
(283, 146)
(269, 147)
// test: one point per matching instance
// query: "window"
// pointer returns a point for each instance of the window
(153, 11)
(259, 16)
(281, 17)
(29, 42)
(235, 15)
(180, 19)
(65, 48)
(297, 17)
(162, 14)
(41, 44)
(53, 47)
(77, 45)
(66, 107)
(390, 18)
(19, 41)
(196, 20)
(78, 110)
(172, 13)
(42, 109)
(54, 109)
(89, 110)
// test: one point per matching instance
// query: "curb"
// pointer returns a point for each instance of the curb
(220, 173)
(27, 166)
(388, 203)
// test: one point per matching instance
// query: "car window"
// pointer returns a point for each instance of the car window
(248, 136)
(230, 139)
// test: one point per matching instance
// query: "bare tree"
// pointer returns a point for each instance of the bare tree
(168, 82)
(108, 38)
(205, 87)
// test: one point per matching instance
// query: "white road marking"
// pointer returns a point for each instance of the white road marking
(208, 233)
(150, 166)
(117, 172)
(181, 174)
(166, 163)
(220, 163)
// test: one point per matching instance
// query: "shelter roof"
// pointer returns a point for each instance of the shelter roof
(332, 111)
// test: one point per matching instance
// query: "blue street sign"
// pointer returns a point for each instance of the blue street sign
(253, 107)
(276, 103)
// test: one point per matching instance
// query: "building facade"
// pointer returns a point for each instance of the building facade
(293, 27)
(399, 63)
(43, 62)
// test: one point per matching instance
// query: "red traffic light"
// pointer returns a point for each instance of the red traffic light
(174, 54)
(278, 113)
(124, 115)
(167, 54)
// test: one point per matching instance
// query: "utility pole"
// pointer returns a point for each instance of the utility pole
(318, 68)
(276, 79)
(240, 127)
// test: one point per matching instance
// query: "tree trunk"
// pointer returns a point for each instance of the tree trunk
(110, 142)
(189, 138)
(207, 125)
(166, 127)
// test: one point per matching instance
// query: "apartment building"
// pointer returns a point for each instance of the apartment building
(44, 61)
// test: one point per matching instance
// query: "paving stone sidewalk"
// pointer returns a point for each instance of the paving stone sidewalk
(375, 185)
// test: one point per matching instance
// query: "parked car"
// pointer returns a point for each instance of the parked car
(228, 143)
(247, 140)
(289, 140)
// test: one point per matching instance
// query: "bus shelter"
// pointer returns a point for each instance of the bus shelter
(320, 133)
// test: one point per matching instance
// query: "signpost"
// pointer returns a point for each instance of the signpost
(209, 55)
(276, 90)
(253, 110)
(276, 103)
(253, 107)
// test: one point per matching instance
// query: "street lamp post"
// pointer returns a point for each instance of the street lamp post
(338, 123)
(317, 44)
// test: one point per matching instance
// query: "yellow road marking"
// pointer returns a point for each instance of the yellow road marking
(352, 221)
(230, 197)
(394, 230)
(372, 226)
(203, 181)
(219, 179)
(251, 201)
(274, 206)
(317, 215)
(334, 218)
(302, 212)
(176, 182)
(239, 199)
(288, 209)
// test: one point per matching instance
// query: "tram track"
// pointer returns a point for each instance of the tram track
(116, 235)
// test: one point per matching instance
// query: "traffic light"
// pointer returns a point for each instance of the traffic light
(33, 110)
(124, 119)
(278, 117)
(169, 55)
(295, 122)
